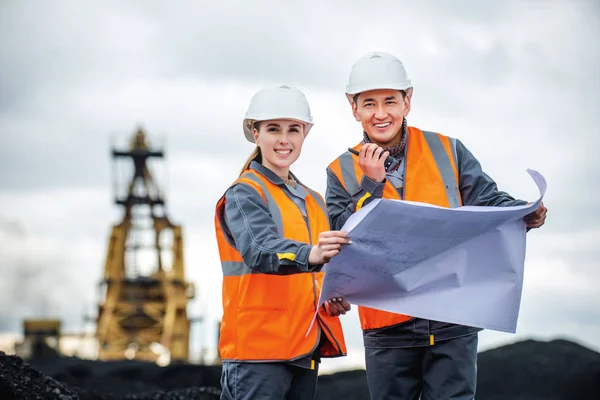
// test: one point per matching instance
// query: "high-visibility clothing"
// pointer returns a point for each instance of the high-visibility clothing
(430, 176)
(266, 317)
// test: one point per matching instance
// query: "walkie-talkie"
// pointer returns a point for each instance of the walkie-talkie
(390, 163)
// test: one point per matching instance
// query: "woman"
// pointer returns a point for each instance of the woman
(273, 235)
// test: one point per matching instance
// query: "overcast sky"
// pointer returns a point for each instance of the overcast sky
(517, 81)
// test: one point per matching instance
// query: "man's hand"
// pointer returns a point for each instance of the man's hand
(330, 243)
(371, 159)
(536, 218)
(336, 306)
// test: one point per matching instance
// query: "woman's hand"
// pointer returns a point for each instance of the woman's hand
(330, 243)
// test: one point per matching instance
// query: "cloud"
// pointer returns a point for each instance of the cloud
(38, 280)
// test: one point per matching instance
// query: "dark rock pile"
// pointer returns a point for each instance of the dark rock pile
(19, 381)
(74, 379)
(529, 370)
(532, 370)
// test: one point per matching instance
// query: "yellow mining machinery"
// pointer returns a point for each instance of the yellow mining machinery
(41, 338)
(143, 313)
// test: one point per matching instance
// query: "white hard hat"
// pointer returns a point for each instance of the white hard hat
(377, 70)
(282, 102)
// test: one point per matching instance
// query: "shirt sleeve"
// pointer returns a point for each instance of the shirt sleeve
(341, 204)
(476, 187)
(256, 237)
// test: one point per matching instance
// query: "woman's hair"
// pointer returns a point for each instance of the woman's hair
(256, 154)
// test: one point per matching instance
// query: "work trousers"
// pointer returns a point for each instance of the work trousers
(446, 370)
(273, 381)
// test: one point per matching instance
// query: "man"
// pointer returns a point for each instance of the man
(408, 357)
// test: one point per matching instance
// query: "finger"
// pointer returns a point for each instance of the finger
(372, 153)
(333, 240)
(339, 241)
(335, 301)
(364, 150)
(377, 153)
(339, 308)
(346, 305)
(384, 155)
(536, 218)
(330, 247)
(533, 225)
(329, 253)
(542, 211)
(329, 310)
(333, 309)
(532, 217)
(329, 234)
(532, 221)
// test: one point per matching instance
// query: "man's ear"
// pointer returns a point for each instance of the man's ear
(355, 111)
(407, 102)
(349, 97)
(353, 105)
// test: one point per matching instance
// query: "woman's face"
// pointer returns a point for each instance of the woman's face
(280, 142)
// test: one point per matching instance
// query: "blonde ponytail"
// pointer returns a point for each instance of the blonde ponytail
(255, 156)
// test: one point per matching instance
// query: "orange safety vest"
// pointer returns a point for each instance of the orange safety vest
(430, 176)
(266, 316)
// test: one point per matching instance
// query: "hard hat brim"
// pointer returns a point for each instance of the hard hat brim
(248, 123)
(366, 88)
(350, 95)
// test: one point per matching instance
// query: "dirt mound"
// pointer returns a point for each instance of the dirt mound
(532, 370)
(19, 381)
(74, 379)
(529, 370)
(127, 377)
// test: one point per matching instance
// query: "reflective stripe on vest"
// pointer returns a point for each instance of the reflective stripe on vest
(445, 167)
(349, 174)
(266, 316)
(319, 200)
(238, 268)
(430, 176)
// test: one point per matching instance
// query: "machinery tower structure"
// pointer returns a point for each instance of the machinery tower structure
(143, 310)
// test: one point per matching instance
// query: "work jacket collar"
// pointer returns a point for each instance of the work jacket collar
(270, 175)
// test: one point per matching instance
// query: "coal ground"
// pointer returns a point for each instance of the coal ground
(528, 370)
